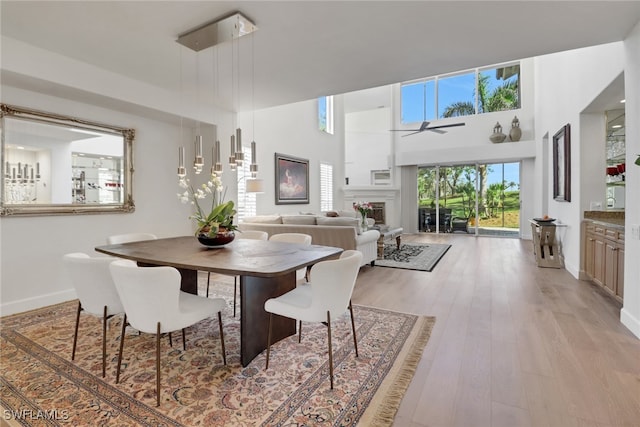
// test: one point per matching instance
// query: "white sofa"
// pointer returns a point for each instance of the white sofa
(342, 232)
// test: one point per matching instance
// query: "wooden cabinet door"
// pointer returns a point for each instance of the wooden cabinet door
(620, 269)
(610, 266)
(589, 250)
(599, 261)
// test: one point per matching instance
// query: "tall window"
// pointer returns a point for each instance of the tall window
(326, 187)
(418, 101)
(325, 114)
(456, 95)
(499, 89)
(475, 92)
(246, 201)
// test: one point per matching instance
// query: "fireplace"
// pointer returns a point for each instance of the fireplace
(378, 212)
(384, 200)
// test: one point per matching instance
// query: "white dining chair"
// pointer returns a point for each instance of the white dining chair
(301, 238)
(325, 297)
(129, 237)
(247, 234)
(172, 309)
(96, 293)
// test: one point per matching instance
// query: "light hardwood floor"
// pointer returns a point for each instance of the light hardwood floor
(513, 344)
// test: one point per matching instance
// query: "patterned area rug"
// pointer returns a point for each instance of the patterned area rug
(413, 256)
(40, 385)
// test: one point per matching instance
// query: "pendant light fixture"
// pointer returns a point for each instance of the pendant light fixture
(182, 172)
(228, 28)
(254, 184)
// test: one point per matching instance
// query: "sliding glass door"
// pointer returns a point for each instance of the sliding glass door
(453, 190)
(500, 199)
(477, 199)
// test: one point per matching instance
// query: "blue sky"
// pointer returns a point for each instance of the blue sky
(511, 173)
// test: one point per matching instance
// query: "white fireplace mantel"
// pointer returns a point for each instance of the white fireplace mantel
(390, 195)
(373, 188)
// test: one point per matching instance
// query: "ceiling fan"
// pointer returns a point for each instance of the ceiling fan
(425, 126)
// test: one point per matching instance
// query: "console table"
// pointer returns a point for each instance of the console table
(546, 246)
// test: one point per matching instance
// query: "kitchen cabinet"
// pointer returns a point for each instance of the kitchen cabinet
(603, 256)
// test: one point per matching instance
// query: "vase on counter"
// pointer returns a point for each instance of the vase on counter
(497, 135)
(515, 133)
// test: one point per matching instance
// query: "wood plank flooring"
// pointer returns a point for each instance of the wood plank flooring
(513, 344)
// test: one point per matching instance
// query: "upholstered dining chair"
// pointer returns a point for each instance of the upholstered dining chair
(301, 238)
(325, 297)
(247, 234)
(172, 309)
(96, 293)
(129, 237)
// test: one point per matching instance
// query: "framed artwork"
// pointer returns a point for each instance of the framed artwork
(292, 180)
(562, 164)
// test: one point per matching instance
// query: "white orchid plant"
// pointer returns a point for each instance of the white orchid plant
(219, 217)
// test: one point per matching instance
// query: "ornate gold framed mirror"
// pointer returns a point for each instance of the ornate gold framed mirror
(60, 165)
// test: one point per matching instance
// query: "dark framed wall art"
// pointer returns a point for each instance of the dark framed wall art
(562, 164)
(292, 180)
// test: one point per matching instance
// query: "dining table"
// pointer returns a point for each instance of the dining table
(267, 269)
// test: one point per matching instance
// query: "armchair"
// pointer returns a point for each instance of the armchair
(459, 223)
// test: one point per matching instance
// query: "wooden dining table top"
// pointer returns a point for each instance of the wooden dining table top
(241, 257)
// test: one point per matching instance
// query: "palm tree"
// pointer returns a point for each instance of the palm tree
(504, 97)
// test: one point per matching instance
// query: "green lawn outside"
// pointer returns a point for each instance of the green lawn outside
(507, 216)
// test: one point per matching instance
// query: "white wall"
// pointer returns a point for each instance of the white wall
(566, 83)
(293, 130)
(32, 247)
(368, 144)
(630, 314)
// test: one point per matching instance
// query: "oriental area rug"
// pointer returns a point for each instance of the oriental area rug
(413, 256)
(40, 385)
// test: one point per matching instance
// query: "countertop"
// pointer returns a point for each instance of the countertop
(607, 218)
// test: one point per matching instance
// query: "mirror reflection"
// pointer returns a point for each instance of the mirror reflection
(55, 164)
(615, 155)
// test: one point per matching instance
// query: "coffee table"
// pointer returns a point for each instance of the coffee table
(388, 233)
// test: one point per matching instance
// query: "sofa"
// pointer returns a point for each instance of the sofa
(338, 231)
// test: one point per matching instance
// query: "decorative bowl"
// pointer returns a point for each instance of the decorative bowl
(218, 241)
(544, 220)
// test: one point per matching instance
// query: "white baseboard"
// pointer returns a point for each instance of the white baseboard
(632, 323)
(27, 304)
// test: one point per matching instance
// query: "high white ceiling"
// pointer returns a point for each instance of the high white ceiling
(305, 49)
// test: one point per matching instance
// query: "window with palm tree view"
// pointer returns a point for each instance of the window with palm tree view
(482, 199)
(463, 94)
